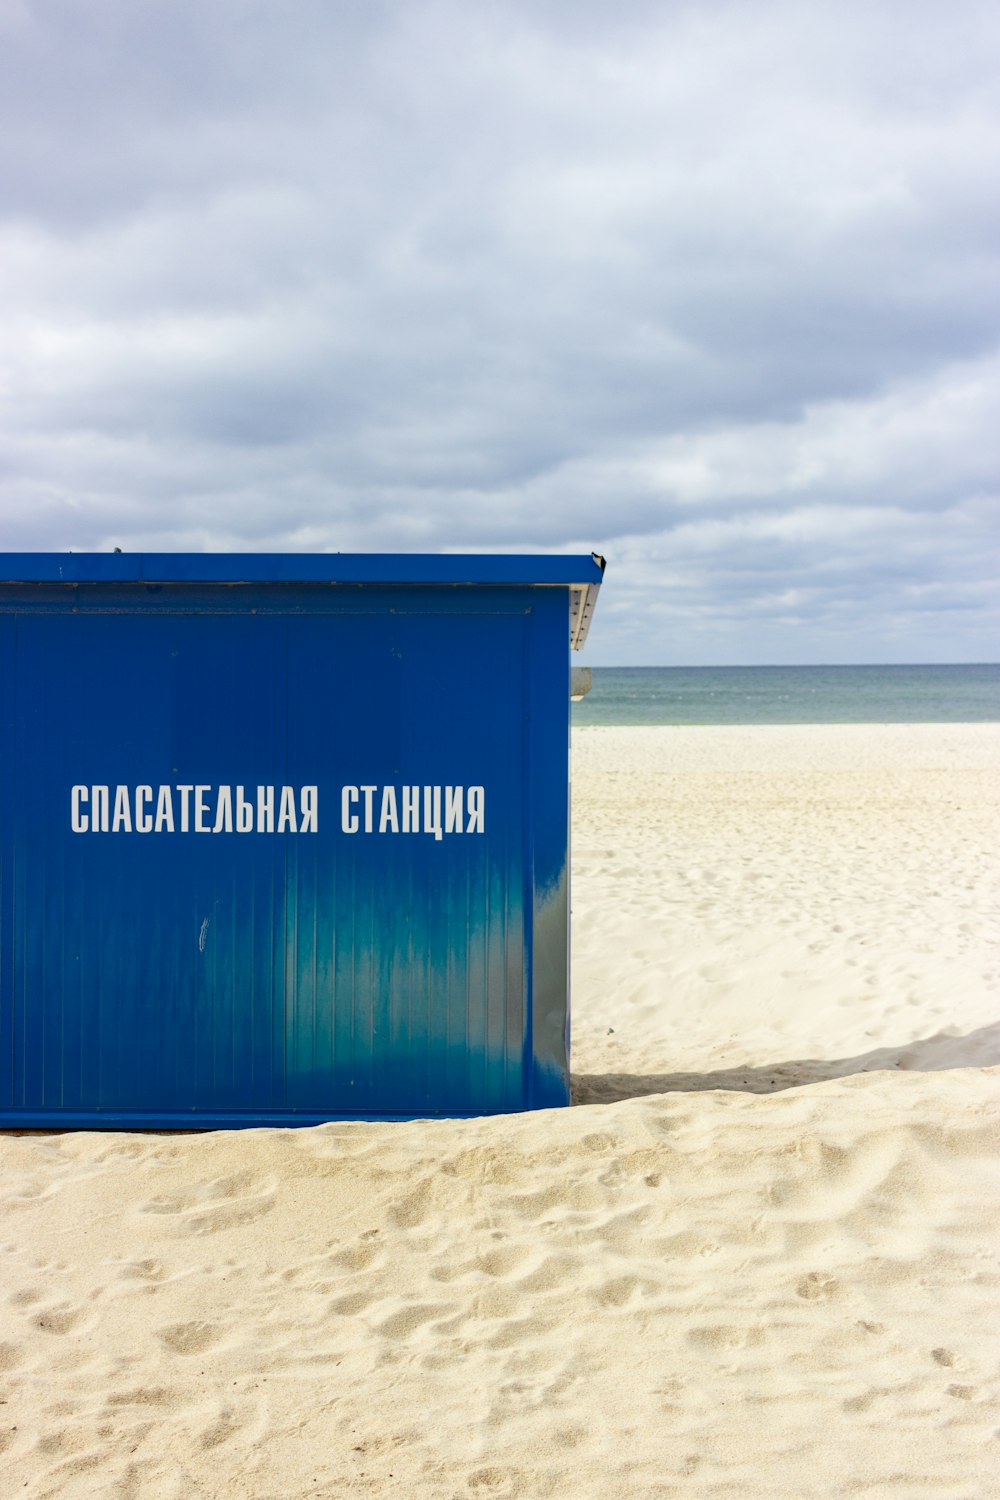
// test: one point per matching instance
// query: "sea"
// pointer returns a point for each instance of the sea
(792, 695)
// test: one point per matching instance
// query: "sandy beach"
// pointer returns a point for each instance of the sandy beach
(758, 1258)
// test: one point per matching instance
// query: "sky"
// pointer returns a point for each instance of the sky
(712, 289)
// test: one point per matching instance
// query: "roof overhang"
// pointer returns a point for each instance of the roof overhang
(581, 575)
(582, 599)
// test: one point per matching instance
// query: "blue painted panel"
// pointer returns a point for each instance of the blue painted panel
(169, 977)
(131, 985)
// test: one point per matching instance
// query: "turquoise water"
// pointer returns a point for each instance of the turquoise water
(792, 695)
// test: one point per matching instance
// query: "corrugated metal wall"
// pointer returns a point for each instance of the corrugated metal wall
(165, 978)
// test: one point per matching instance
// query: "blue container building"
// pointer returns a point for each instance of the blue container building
(284, 839)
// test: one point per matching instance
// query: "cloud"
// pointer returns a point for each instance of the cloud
(712, 288)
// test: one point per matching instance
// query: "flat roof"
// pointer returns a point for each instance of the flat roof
(580, 573)
(299, 567)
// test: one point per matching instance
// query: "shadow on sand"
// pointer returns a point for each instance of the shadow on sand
(978, 1049)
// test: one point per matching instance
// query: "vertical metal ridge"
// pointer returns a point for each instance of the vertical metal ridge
(276, 1071)
(19, 981)
(231, 978)
(409, 1059)
(315, 958)
(354, 970)
(528, 860)
(62, 991)
(254, 980)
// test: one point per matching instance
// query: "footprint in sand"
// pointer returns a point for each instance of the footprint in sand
(140, 1395)
(189, 1338)
(408, 1320)
(351, 1305)
(816, 1287)
(141, 1270)
(499, 1300)
(684, 1245)
(354, 1258)
(553, 1273)
(122, 1151)
(225, 1426)
(503, 1261)
(598, 1143)
(25, 1298)
(227, 1215)
(30, 1195)
(162, 1205)
(223, 1203)
(412, 1210)
(620, 1290)
(62, 1318)
(721, 1337)
(488, 1479)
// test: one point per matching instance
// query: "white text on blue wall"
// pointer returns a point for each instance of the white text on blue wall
(202, 807)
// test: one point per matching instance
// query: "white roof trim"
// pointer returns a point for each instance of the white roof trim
(582, 599)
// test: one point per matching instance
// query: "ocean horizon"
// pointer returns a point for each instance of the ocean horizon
(892, 694)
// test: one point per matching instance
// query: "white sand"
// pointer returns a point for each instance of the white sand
(678, 1292)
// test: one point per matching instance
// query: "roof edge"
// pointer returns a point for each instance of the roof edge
(302, 567)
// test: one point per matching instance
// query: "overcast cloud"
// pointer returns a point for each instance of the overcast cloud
(711, 288)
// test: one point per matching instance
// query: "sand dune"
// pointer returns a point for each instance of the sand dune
(767, 1267)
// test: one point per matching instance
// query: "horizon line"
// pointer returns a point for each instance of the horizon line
(776, 666)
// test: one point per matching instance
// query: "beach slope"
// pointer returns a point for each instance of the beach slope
(757, 1258)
